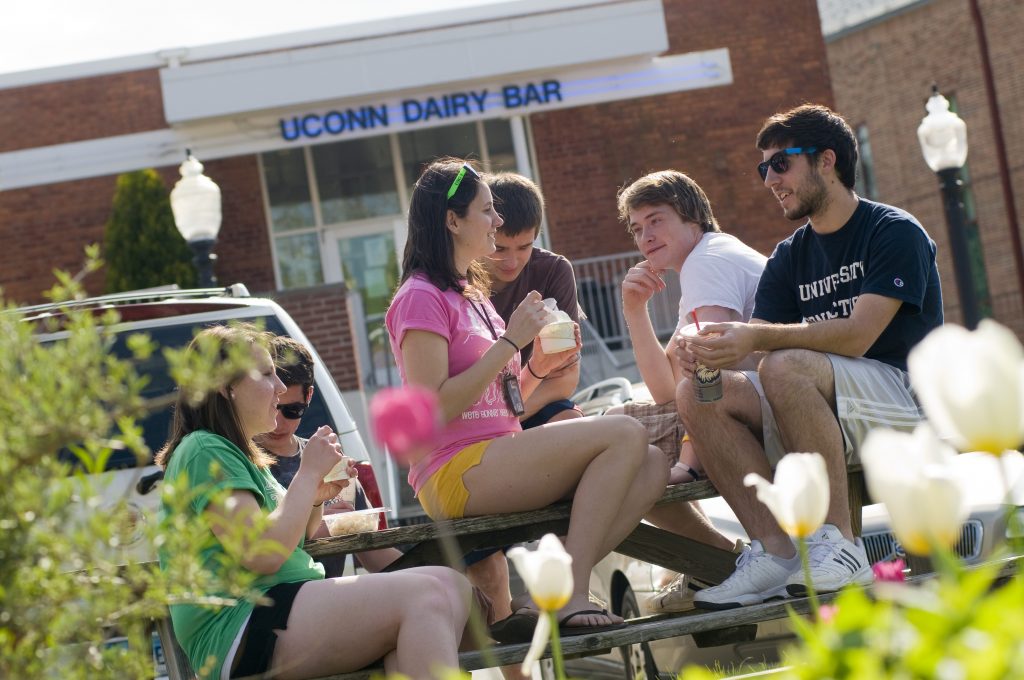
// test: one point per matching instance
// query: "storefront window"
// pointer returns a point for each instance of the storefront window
(356, 180)
(298, 258)
(288, 189)
(420, 147)
(865, 185)
(500, 149)
(354, 200)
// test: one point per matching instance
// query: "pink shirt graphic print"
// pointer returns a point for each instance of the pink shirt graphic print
(419, 305)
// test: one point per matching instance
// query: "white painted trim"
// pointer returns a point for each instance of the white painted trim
(520, 147)
(360, 30)
(243, 135)
(414, 60)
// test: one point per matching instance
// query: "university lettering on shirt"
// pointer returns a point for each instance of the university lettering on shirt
(828, 286)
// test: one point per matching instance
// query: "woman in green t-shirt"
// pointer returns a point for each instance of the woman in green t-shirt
(315, 626)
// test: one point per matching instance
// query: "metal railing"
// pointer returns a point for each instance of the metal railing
(607, 351)
(597, 286)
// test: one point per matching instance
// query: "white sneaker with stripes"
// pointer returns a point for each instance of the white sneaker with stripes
(759, 576)
(834, 563)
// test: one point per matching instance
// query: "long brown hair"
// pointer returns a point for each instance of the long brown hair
(214, 412)
(430, 249)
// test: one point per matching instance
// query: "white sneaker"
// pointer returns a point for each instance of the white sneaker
(834, 562)
(759, 576)
(677, 596)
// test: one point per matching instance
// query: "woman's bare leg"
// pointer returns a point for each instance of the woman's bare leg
(603, 463)
(413, 618)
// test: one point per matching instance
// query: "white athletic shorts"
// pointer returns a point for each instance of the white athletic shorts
(869, 394)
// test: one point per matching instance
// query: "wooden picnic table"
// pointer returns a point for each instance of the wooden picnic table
(647, 543)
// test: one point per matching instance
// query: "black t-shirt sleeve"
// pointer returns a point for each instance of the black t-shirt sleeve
(775, 300)
(900, 257)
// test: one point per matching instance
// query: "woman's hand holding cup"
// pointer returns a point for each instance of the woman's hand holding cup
(526, 321)
(544, 363)
(324, 456)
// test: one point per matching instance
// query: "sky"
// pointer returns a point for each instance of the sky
(43, 33)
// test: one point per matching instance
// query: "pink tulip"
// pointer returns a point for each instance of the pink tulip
(406, 420)
(889, 571)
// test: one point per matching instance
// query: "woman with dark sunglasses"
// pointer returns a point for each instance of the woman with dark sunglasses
(447, 336)
(413, 619)
(294, 365)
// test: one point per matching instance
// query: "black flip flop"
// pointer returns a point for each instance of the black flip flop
(518, 627)
(567, 631)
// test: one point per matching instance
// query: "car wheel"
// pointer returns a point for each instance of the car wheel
(637, 659)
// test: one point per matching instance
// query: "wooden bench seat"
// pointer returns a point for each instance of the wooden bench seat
(643, 629)
(428, 544)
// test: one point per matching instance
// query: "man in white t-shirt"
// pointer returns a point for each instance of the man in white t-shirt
(671, 221)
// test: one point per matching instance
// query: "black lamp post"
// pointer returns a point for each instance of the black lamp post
(195, 202)
(943, 137)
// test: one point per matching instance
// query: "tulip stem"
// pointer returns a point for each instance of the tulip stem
(946, 563)
(556, 646)
(806, 564)
(1013, 529)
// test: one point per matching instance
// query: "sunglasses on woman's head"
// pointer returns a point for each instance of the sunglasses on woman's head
(293, 411)
(779, 162)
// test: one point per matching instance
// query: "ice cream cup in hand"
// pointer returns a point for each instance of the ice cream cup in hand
(558, 337)
(338, 472)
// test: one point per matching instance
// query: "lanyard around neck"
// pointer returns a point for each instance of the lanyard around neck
(487, 320)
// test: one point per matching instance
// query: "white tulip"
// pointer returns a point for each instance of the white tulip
(547, 573)
(971, 386)
(915, 477)
(800, 495)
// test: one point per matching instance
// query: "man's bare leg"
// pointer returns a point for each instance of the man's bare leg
(726, 436)
(491, 576)
(800, 387)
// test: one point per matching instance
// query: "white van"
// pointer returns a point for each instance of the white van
(171, 318)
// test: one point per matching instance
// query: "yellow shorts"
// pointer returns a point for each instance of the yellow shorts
(444, 496)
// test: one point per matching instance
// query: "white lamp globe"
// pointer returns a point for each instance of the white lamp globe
(195, 202)
(943, 135)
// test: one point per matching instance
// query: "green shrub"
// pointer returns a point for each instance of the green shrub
(66, 584)
(142, 246)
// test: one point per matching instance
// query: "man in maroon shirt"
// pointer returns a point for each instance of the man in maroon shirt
(517, 267)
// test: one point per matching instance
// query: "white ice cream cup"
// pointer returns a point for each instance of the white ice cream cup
(354, 522)
(558, 337)
(338, 472)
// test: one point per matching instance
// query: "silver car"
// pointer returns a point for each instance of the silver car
(629, 585)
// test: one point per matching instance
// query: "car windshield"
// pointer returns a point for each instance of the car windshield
(156, 425)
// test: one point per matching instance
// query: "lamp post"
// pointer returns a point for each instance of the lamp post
(943, 137)
(195, 202)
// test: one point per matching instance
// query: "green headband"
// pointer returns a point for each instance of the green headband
(458, 179)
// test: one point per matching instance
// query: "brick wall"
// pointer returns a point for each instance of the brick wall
(76, 110)
(882, 76)
(243, 246)
(585, 155)
(47, 227)
(322, 314)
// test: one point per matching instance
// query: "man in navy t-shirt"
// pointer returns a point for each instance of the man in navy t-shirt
(838, 308)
